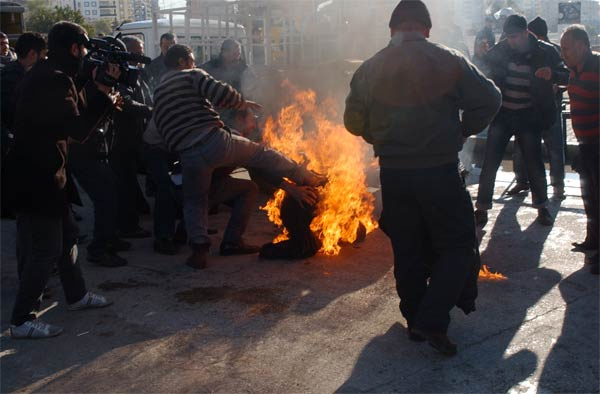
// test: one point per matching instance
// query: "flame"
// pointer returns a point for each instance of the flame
(305, 132)
(486, 274)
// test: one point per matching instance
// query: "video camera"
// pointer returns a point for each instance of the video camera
(106, 50)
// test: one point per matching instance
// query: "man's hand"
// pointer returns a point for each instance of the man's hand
(251, 105)
(544, 73)
(113, 71)
(303, 194)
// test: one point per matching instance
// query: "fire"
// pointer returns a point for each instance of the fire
(486, 274)
(306, 132)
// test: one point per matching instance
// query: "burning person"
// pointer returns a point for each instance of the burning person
(189, 125)
(405, 101)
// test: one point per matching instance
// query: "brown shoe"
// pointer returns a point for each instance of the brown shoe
(199, 256)
(438, 340)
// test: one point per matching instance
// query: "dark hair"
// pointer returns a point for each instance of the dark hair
(29, 41)
(578, 33)
(515, 24)
(167, 36)
(176, 52)
(3, 35)
(229, 44)
(64, 34)
(410, 11)
(539, 27)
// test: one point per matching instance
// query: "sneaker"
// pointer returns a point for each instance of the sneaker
(118, 245)
(518, 189)
(231, 249)
(106, 259)
(584, 246)
(89, 301)
(438, 340)
(137, 232)
(481, 217)
(199, 257)
(34, 329)
(544, 218)
(165, 246)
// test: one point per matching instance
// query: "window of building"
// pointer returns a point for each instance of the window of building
(94, 12)
(93, 3)
(87, 12)
(87, 3)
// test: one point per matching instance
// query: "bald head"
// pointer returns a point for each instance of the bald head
(575, 46)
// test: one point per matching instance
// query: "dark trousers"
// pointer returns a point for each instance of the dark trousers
(590, 163)
(124, 164)
(240, 195)
(554, 142)
(168, 201)
(42, 242)
(528, 135)
(98, 181)
(428, 216)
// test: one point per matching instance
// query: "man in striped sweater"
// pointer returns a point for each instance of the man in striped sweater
(187, 121)
(525, 70)
(584, 94)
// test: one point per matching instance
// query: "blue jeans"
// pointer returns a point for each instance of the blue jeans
(222, 149)
(527, 134)
(167, 200)
(555, 146)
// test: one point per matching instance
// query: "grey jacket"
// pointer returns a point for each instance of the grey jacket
(407, 101)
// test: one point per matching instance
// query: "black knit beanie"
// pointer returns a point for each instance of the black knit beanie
(515, 24)
(538, 27)
(410, 11)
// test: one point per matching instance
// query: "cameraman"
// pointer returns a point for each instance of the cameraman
(51, 113)
(129, 125)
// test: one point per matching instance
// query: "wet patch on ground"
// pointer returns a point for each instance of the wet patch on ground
(259, 300)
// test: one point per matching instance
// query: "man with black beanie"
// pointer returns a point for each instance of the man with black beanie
(51, 113)
(526, 70)
(405, 101)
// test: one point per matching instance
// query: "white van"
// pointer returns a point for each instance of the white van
(205, 38)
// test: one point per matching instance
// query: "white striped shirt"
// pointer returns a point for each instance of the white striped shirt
(183, 106)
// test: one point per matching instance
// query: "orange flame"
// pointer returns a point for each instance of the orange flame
(305, 132)
(486, 274)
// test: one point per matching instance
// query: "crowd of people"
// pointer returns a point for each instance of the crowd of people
(415, 101)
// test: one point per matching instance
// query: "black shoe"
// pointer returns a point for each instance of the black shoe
(585, 246)
(518, 189)
(438, 340)
(118, 245)
(165, 246)
(106, 259)
(230, 249)
(199, 257)
(413, 336)
(544, 218)
(481, 217)
(137, 232)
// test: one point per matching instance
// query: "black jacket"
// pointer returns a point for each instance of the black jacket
(50, 113)
(11, 75)
(130, 123)
(541, 54)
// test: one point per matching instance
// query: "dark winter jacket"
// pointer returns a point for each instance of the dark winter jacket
(406, 100)
(50, 113)
(540, 55)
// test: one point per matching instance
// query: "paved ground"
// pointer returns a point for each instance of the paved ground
(320, 324)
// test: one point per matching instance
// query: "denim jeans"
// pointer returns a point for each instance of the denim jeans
(522, 125)
(428, 216)
(167, 200)
(222, 149)
(98, 180)
(555, 146)
(240, 195)
(42, 242)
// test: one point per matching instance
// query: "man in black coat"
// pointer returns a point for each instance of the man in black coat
(51, 113)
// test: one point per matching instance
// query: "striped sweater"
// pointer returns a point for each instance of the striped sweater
(517, 87)
(584, 95)
(183, 106)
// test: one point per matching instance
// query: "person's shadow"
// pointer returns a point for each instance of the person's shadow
(485, 361)
(572, 365)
